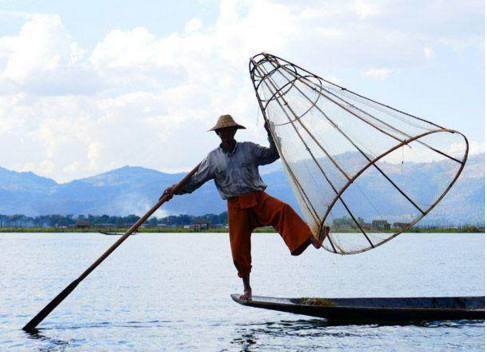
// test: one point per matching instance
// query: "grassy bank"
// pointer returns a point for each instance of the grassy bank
(460, 229)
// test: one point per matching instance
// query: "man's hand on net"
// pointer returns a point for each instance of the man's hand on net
(168, 192)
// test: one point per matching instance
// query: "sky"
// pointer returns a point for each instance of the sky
(89, 86)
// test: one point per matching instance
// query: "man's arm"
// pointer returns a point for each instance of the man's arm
(202, 175)
(265, 155)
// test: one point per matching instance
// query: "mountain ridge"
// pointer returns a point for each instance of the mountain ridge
(134, 189)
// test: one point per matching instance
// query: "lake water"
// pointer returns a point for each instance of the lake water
(170, 292)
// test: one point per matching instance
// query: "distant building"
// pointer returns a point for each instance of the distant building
(216, 226)
(343, 222)
(199, 227)
(400, 225)
(82, 224)
(381, 225)
(366, 226)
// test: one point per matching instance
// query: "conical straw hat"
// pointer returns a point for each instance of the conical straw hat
(225, 121)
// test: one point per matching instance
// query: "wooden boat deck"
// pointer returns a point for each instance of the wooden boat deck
(370, 310)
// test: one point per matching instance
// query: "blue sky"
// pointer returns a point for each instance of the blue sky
(89, 86)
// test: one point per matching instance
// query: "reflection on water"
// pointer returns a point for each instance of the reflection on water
(255, 336)
(308, 334)
(250, 334)
(48, 344)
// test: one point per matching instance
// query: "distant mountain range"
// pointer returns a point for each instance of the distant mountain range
(133, 190)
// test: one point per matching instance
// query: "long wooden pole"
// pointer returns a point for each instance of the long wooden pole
(32, 324)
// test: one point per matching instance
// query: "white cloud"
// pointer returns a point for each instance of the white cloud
(459, 44)
(44, 59)
(142, 99)
(428, 52)
(15, 14)
(193, 25)
(40, 46)
(122, 49)
(458, 149)
(377, 73)
(364, 9)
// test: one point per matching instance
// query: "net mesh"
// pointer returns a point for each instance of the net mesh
(354, 164)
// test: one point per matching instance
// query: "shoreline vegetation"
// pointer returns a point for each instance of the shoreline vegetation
(209, 223)
(222, 229)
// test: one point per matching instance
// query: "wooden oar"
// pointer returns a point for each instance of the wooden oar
(31, 325)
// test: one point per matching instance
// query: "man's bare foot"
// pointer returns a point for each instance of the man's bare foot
(317, 243)
(247, 295)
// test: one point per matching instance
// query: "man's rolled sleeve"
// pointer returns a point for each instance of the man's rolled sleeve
(264, 155)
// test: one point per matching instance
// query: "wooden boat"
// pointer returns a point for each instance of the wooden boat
(375, 310)
(114, 233)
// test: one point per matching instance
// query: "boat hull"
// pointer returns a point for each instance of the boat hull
(375, 310)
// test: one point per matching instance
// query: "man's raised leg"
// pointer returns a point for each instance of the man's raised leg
(294, 231)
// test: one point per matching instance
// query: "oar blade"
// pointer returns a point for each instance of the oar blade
(32, 324)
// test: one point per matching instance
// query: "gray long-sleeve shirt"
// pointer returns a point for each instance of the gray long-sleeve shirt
(236, 172)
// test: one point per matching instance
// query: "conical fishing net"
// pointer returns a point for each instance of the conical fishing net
(355, 164)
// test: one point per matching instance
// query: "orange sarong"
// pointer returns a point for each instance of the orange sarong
(255, 209)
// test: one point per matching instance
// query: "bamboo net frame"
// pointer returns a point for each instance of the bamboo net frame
(309, 116)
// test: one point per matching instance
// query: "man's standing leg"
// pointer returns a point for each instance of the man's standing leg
(240, 228)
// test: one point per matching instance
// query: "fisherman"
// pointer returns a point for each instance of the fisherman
(234, 168)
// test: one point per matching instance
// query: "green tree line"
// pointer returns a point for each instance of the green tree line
(23, 221)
